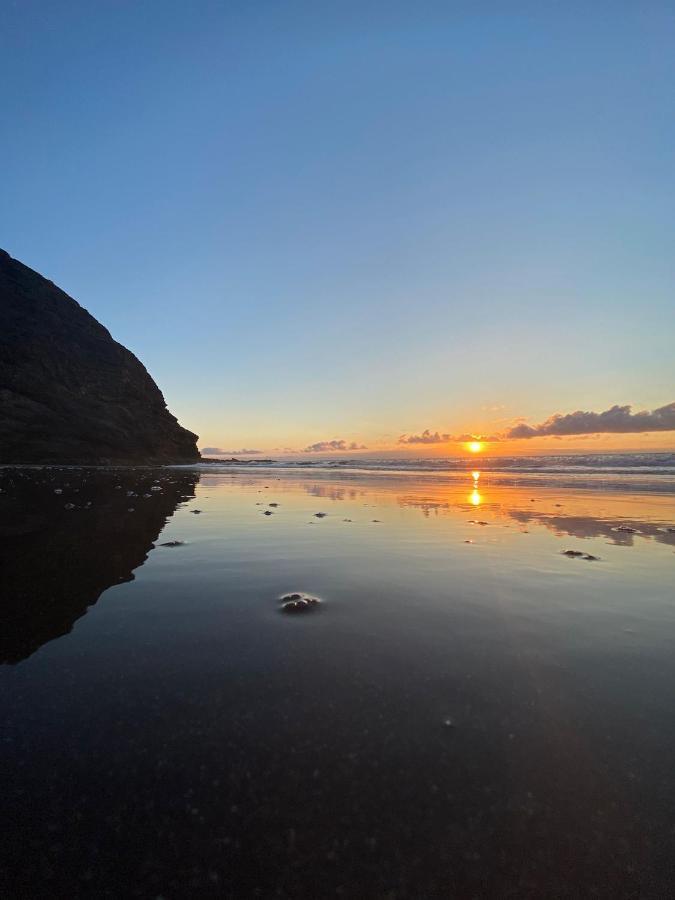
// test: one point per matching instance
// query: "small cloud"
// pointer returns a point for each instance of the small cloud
(616, 420)
(428, 437)
(218, 451)
(323, 446)
(425, 438)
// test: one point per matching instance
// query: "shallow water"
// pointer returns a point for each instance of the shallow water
(483, 719)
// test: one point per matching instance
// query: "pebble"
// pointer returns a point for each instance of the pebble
(296, 603)
(172, 544)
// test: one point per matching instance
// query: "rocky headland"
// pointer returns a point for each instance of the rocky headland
(69, 393)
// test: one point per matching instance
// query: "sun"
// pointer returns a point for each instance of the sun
(474, 446)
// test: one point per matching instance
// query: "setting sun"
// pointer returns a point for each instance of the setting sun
(475, 446)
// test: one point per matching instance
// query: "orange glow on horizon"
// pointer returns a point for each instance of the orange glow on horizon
(474, 446)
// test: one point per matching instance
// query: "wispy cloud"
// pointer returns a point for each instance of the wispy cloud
(427, 437)
(218, 451)
(436, 437)
(323, 446)
(616, 420)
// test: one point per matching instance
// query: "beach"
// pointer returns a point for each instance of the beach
(479, 705)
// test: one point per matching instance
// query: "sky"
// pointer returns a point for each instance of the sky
(360, 221)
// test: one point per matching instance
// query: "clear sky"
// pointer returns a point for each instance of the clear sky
(351, 221)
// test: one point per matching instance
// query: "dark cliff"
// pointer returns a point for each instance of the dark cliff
(69, 393)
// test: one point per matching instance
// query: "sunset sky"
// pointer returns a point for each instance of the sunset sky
(354, 222)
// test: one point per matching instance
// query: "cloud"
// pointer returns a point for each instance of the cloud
(218, 451)
(428, 437)
(616, 420)
(322, 446)
(425, 438)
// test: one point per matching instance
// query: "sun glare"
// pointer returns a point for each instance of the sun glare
(475, 446)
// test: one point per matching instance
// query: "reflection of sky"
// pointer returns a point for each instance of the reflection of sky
(583, 514)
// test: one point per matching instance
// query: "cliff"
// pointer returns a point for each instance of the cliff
(69, 393)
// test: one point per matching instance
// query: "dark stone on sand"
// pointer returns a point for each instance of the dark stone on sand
(627, 529)
(195, 512)
(573, 553)
(320, 515)
(71, 394)
(268, 512)
(273, 504)
(297, 603)
(590, 557)
(172, 544)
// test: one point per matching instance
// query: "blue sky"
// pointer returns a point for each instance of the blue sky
(352, 220)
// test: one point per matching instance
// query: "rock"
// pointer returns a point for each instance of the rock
(195, 512)
(296, 603)
(320, 515)
(273, 504)
(173, 544)
(572, 553)
(268, 512)
(590, 557)
(69, 506)
(627, 529)
(69, 393)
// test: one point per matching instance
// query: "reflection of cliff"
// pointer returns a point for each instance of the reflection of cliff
(56, 560)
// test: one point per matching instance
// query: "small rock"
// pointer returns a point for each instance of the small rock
(590, 557)
(572, 553)
(155, 487)
(320, 515)
(58, 491)
(296, 603)
(172, 544)
(273, 504)
(268, 512)
(69, 506)
(195, 512)
(627, 529)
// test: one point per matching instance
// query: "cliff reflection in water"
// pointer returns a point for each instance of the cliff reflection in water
(66, 535)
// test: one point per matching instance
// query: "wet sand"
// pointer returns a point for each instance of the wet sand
(468, 712)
